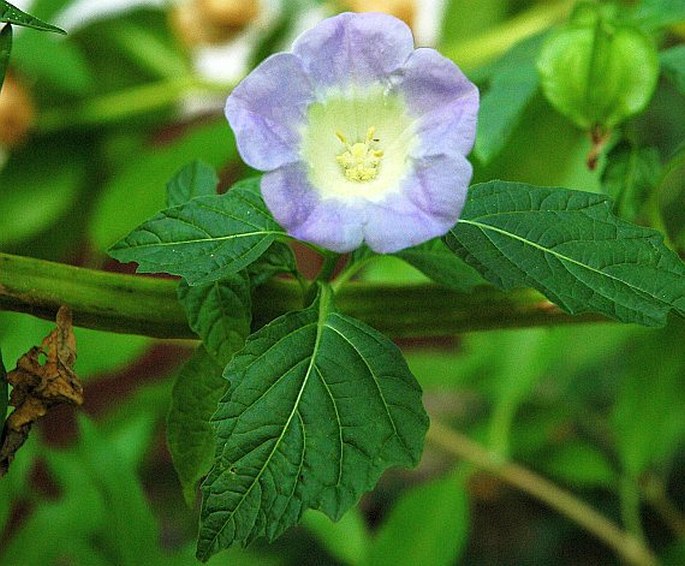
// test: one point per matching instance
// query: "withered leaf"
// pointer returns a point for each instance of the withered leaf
(44, 377)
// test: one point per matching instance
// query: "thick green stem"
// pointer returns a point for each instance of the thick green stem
(629, 548)
(148, 305)
(100, 300)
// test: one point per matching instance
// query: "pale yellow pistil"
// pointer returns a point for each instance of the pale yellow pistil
(360, 161)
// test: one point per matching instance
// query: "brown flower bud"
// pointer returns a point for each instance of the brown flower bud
(16, 112)
(403, 9)
(235, 14)
(198, 22)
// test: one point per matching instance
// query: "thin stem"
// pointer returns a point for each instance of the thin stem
(351, 270)
(127, 103)
(497, 40)
(329, 263)
(630, 507)
(624, 544)
(147, 305)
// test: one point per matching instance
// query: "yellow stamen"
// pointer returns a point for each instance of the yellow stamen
(360, 161)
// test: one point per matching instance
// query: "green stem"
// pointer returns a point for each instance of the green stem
(501, 423)
(146, 305)
(100, 300)
(630, 507)
(126, 103)
(328, 267)
(497, 40)
(351, 270)
(630, 549)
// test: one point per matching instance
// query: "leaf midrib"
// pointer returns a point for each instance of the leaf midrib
(205, 240)
(323, 312)
(376, 381)
(563, 258)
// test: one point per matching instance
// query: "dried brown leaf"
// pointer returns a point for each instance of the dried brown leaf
(44, 377)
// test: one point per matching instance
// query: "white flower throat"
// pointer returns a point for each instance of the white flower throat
(360, 161)
(356, 144)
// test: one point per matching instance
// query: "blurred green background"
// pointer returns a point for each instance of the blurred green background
(92, 126)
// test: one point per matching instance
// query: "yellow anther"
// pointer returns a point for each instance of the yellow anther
(361, 160)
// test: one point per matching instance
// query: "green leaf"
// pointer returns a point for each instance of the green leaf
(220, 313)
(106, 352)
(53, 529)
(101, 503)
(197, 390)
(570, 247)
(630, 175)
(5, 49)
(435, 260)
(13, 15)
(205, 239)
(513, 85)
(521, 360)
(136, 190)
(597, 72)
(193, 180)
(345, 540)
(427, 526)
(15, 485)
(673, 64)
(649, 413)
(35, 195)
(66, 70)
(279, 258)
(130, 532)
(319, 406)
(580, 465)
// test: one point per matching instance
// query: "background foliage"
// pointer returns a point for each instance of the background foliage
(126, 99)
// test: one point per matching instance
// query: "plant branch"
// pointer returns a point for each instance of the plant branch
(128, 103)
(147, 305)
(624, 544)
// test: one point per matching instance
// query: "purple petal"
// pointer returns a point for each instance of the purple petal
(438, 185)
(295, 204)
(266, 109)
(431, 200)
(354, 49)
(442, 99)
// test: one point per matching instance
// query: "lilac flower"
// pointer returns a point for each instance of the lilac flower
(362, 137)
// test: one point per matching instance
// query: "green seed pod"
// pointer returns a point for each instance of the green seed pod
(596, 70)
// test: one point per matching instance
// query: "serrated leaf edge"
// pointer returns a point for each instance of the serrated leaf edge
(323, 313)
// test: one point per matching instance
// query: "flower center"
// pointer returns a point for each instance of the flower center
(360, 161)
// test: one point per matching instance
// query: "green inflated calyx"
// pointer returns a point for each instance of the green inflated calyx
(596, 70)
